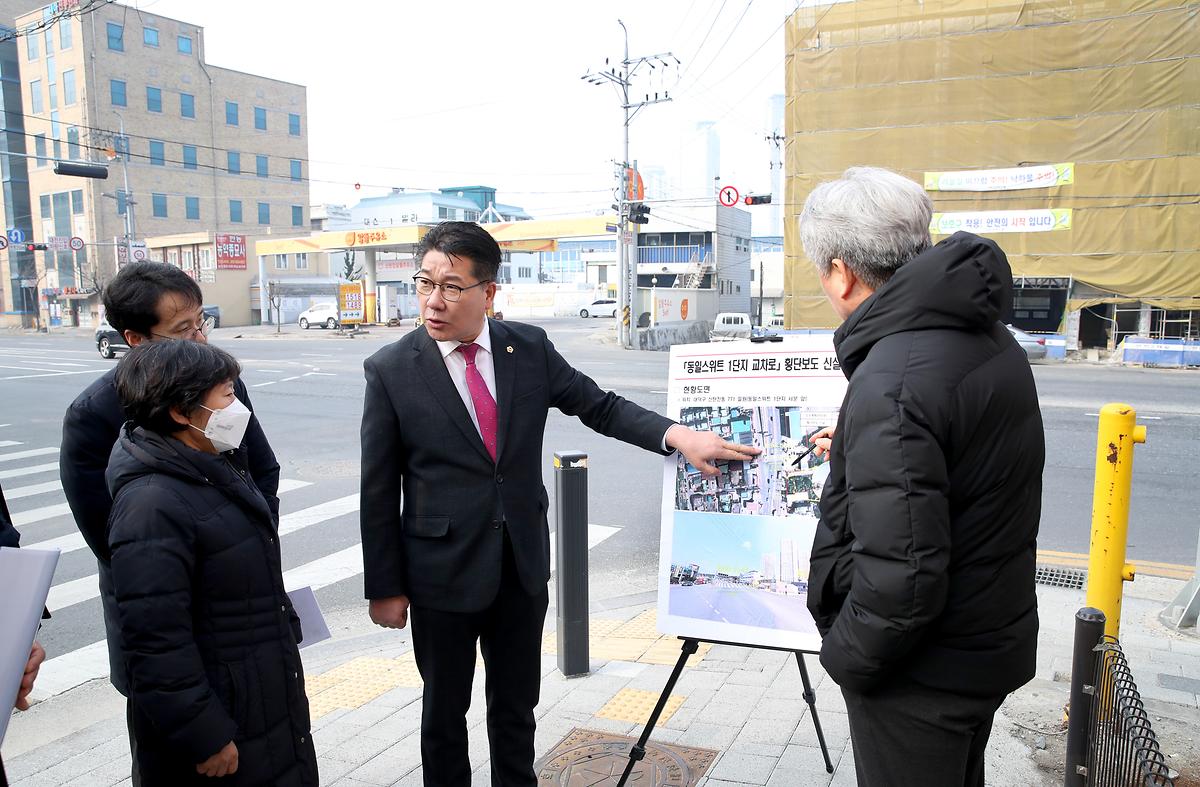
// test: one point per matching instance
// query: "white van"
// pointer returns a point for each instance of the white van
(730, 326)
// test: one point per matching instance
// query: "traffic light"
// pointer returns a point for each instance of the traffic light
(639, 213)
(757, 199)
(35, 247)
(80, 170)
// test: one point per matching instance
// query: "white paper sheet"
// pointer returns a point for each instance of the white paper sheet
(312, 622)
(25, 577)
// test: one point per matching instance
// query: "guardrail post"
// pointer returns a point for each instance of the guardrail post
(1089, 628)
(571, 561)
(1107, 570)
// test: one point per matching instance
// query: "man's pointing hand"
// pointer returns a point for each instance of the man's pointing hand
(701, 449)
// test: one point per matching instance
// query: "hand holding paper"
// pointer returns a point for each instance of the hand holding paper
(37, 655)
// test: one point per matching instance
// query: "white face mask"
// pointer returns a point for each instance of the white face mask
(227, 426)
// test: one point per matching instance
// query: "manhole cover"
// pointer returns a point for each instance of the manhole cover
(587, 758)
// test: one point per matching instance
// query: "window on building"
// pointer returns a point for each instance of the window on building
(231, 113)
(260, 118)
(159, 204)
(191, 206)
(294, 124)
(116, 37)
(68, 84)
(524, 273)
(281, 262)
(470, 215)
(445, 213)
(65, 34)
(73, 143)
(31, 47)
(158, 153)
(52, 94)
(154, 99)
(39, 149)
(206, 259)
(77, 202)
(116, 91)
(233, 162)
(184, 44)
(301, 261)
(297, 215)
(36, 105)
(189, 156)
(150, 36)
(48, 40)
(294, 165)
(264, 213)
(260, 166)
(235, 211)
(187, 105)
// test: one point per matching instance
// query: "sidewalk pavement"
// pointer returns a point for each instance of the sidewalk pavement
(745, 704)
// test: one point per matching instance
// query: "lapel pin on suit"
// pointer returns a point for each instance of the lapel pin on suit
(509, 348)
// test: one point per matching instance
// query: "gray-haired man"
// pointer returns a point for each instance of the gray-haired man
(921, 577)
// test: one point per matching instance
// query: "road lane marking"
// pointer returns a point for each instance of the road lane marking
(260, 385)
(48, 374)
(16, 493)
(27, 454)
(289, 379)
(40, 514)
(31, 470)
(9, 443)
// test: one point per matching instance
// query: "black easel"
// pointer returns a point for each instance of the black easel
(690, 646)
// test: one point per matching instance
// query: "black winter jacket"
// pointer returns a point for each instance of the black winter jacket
(91, 426)
(207, 634)
(923, 562)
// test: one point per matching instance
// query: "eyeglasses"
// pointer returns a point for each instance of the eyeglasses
(451, 292)
(204, 329)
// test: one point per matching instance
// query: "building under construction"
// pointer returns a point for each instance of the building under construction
(1067, 131)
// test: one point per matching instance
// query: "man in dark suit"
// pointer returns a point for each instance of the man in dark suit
(453, 507)
(145, 302)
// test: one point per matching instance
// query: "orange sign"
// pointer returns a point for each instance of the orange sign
(683, 309)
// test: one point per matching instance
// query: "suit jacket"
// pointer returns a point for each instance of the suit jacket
(434, 505)
(91, 426)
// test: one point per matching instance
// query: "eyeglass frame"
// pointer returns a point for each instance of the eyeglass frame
(445, 288)
(204, 329)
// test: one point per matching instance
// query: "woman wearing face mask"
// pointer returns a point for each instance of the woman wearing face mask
(208, 635)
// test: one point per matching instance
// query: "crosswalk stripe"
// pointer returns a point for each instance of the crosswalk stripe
(17, 492)
(9, 443)
(90, 662)
(40, 514)
(27, 454)
(85, 588)
(31, 470)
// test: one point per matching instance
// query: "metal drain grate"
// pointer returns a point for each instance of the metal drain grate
(1059, 577)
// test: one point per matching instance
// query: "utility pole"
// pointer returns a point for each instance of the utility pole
(124, 154)
(760, 293)
(622, 78)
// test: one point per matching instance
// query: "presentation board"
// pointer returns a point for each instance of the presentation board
(734, 552)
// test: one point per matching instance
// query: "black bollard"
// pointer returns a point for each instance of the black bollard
(1089, 629)
(571, 564)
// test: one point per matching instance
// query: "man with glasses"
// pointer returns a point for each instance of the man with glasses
(453, 510)
(145, 302)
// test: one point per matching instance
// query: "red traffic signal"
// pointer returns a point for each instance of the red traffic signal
(757, 199)
(35, 247)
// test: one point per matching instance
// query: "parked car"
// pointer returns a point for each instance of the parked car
(730, 326)
(108, 341)
(323, 314)
(1035, 348)
(601, 308)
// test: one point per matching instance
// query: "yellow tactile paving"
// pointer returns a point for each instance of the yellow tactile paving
(644, 626)
(666, 651)
(636, 705)
(617, 648)
(629, 640)
(358, 681)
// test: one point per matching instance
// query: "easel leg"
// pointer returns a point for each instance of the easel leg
(810, 697)
(638, 751)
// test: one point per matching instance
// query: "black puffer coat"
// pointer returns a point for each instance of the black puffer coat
(923, 563)
(208, 634)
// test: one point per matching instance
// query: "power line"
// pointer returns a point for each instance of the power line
(717, 55)
(48, 22)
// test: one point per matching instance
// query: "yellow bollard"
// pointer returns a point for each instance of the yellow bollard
(1107, 569)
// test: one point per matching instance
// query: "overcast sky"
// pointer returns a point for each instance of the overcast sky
(429, 94)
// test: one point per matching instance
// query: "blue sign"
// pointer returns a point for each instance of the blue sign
(16, 235)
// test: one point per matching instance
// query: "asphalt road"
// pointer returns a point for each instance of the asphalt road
(742, 606)
(307, 389)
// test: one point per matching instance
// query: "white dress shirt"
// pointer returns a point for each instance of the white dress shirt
(456, 364)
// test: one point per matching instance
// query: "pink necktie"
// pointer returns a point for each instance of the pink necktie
(485, 405)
